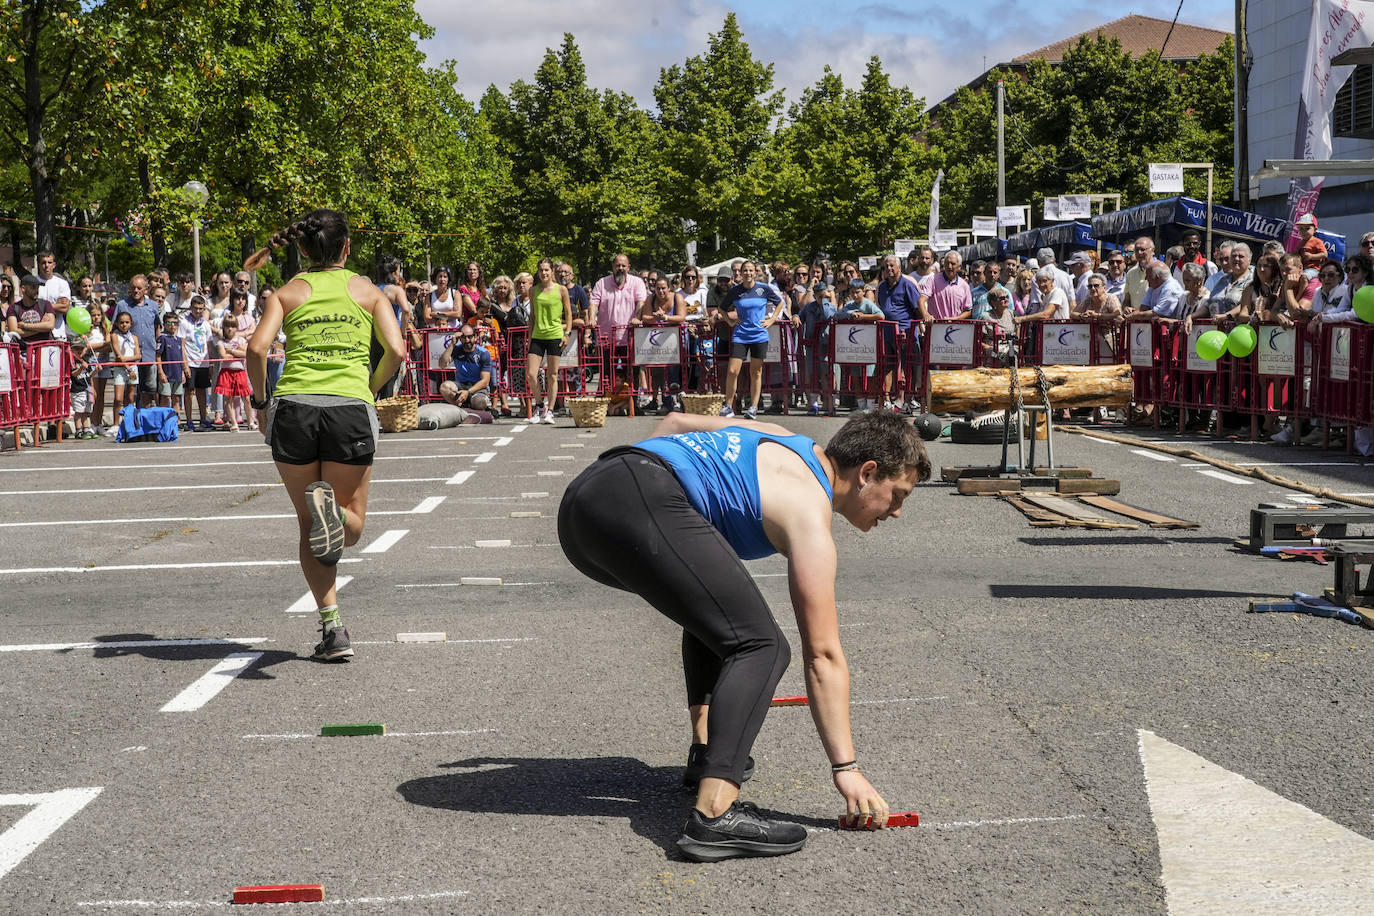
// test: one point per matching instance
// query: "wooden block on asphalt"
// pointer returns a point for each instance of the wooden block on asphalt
(1098, 485)
(502, 542)
(349, 731)
(1078, 512)
(1153, 519)
(279, 893)
(988, 486)
(478, 580)
(421, 637)
(894, 819)
(527, 515)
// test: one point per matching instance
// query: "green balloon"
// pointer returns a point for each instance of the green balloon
(79, 320)
(1241, 341)
(1211, 345)
(1364, 304)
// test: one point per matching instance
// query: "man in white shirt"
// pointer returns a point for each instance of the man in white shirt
(1081, 267)
(1136, 285)
(56, 290)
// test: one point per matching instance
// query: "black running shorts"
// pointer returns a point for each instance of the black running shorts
(304, 433)
(753, 351)
(541, 347)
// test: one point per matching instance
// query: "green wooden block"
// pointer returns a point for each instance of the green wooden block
(339, 731)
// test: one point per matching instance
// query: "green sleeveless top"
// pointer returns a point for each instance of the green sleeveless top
(547, 321)
(328, 339)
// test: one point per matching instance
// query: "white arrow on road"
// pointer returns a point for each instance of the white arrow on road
(1229, 846)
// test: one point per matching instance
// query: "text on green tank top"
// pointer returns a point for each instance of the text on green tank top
(328, 339)
(547, 321)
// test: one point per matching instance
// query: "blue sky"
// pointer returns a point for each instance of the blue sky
(626, 42)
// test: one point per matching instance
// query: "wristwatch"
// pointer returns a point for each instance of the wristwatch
(258, 405)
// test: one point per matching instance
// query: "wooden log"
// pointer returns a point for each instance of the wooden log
(1070, 386)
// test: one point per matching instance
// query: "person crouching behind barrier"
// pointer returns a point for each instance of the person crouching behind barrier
(670, 518)
(321, 423)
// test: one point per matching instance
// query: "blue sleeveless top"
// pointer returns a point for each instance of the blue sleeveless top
(719, 472)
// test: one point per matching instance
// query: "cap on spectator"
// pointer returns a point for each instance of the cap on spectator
(30, 280)
(856, 283)
(725, 272)
(1081, 257)
(1032, 263)
(1307, 218)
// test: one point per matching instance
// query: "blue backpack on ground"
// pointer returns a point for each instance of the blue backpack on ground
(151, 424)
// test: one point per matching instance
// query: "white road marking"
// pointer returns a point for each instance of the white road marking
(421, 637)
(451, 642)
(550, 474)
(199, 464)
(562, 457)
(386, 540)
(527, 515)
(1227, 845)
(519, 429)
(1303, 499)
(1149, 454)
(1007, 821)
(456, 584)
(503, 542)
(50, 811)
(204, 688)
(341, 901)
(484, 458)
(1300, 464)
(142, 566)
(1229, 478)
(131, 644)
(460, 477)
(504, 440)
(427, 505)
(896, 700)
(305, 604)
(134, 748)
(768, 575)
(534, 495)
(87, 493)
(573, 445)
(303, 736)
(478, 580)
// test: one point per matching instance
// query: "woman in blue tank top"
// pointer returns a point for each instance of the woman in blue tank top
(670, 518)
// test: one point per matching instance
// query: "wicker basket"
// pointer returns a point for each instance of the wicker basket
(588, 411)
(399, 414)
(707, 404)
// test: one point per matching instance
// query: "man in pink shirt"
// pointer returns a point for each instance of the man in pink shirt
(616, 298)
(950, 293)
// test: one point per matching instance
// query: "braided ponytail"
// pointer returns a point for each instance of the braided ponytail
(322, 234)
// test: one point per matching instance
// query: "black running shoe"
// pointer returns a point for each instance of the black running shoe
(740, 831)
(696, 765)
(327, 526)
(334, 646)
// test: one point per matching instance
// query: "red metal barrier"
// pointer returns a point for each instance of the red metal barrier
(1343, 374)
(12, 401)
(655, 350)
(860, 351)
(1272, 380)
(48, 374)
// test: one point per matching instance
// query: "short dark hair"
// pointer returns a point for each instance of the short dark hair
(883, 437)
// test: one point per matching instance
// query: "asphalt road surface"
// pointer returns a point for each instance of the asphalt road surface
(1086, 721)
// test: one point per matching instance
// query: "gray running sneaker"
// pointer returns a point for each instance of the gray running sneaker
(740, 831)
(696, 766)
(327, 526)
(334, 646)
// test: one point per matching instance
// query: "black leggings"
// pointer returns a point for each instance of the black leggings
(626, 522)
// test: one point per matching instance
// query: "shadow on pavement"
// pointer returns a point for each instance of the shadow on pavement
(174, 653)
(651, 798)
(1118, 592)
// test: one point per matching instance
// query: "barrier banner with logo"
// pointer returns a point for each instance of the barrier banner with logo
(951, 344)
(1142, 345)
(1194, 362)
(856, 344)
(1277, 351)
(657, 346)
(6, 379)
(774, 354)
(50, 366)
(1340, 354)
(572, 353)
(435, 345)
(1065, 344)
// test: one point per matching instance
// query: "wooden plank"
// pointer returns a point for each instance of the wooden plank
(974, 486)
(1153, 519)
(1096, 485)
(1085, 517)
(1040, 517)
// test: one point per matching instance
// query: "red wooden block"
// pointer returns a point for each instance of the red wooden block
(894, 819)
(279, 893)
(790, 701)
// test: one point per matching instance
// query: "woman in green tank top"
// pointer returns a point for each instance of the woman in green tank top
(550, 326)
(320, 422)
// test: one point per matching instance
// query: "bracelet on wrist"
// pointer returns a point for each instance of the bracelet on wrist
(258, 405)
(844, 767)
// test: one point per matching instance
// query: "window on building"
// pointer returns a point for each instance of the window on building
(1353, 113)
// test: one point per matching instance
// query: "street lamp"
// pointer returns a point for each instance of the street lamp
(200, 194)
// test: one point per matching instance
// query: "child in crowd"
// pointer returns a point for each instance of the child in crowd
(171, 366)
(81, 386)
(233, 382)
(124, 358)
(195, 334)
(98, 346)
(815, 318)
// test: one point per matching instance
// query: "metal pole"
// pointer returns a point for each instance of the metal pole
(1209, 212)
(195, 248)
(1240, 139)
(1001, 159)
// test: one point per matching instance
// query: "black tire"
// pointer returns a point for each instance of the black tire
(965, 433)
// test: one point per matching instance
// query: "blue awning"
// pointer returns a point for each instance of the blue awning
(983, 250)
(1189, 212)
(1022, 242)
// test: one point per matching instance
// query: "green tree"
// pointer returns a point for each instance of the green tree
(581, 163)
(717, 112)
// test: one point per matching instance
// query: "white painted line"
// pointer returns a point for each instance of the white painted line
(460, 477)
(527, 515)
(342, 901)
(1149, 454)
(1300, 464)
(550, 474)
(573, 445)
(1229, 845)
(386, 540)
(484, 458)
(448, 642)
(50, 811)
(896, 700)
(204, 688)
(519, 429)
(534, 495)
(1194, 465)
(562, 457)
(131, 644)
(305, 604)
(133, 467)
(1229, 478)
(35, 570)
(504, 440)
(302, 736)
(454, 584)
(421, 637)
(478, 580)
(768, 575)
(133, 749)
(1007, 821)
(427, 505)
(503, 542)
(158, 488)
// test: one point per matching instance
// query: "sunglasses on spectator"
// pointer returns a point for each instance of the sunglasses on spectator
(689, 276)
(1330, 275)
(1116, 260)
(1096, 285)
(1367, 243)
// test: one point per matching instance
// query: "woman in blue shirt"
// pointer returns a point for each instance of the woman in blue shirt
(750, 308)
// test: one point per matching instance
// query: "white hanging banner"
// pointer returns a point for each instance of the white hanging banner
(1166, 178)
(902, 247)
(1052, 209)
(944, 239)
(774, 354)
(1075, 206)
(984, 226)
(1011, 216)
(6, 380)
(869, 263)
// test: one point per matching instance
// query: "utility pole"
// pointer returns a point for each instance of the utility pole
(1241, 137)
(1001, 156)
